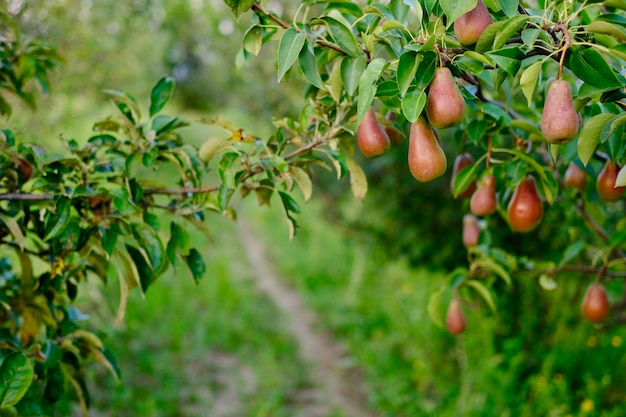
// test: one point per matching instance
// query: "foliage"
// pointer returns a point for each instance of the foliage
(67, 217)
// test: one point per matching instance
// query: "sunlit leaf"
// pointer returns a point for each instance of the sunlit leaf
(161, 94)
(289, 47)
(16, 375)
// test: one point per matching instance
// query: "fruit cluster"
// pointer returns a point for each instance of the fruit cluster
(445, 107)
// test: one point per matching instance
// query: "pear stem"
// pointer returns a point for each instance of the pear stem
(568, 41)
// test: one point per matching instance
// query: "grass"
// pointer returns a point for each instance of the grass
(189, 348)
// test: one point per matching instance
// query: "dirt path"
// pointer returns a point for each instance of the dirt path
(339, 388)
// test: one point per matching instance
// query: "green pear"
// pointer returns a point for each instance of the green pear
(427, 160)
(371, 137)
(559, 122)
(471, 25)
(445, 106)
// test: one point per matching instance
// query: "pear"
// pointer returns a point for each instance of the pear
(595, 306)
(455, 318)
(483, 201)
(605, 183)
(427, 160)
(525, 209)
(372, 138)
(575, 177)
(559, 122)
(445, 106)
(471, 25)
(471, 231)
(460, 162)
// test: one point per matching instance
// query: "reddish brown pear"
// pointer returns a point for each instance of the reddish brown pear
(445, 106)
(559, 122)
(472, 24)
(483, 201)
(427, 160)
(372, 138)
(471, 231)
(575, 177)
(455, 317)
(595, 305)
(460, 162)
(605, 183)
(525, 209)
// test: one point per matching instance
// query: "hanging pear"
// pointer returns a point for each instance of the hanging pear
(445, 106)
(559, 122)
(455, 317)
(595, 306)
(472, 24)
(427, 160)
(605, 183)
(525, 209)
(483, 201)
(575, 177)
(471, 231)
(371, 137)
(460, 162)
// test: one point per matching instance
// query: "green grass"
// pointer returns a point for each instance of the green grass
(189, 348)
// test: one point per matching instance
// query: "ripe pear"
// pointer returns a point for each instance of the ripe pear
(559, 122)
(460, 162)
(605, 183)
(471, 231)
(471, 25)
(445, 106)
(595, 305)
(455, 317)
(483, 201)
(372, 138)
(427, 160)
(525, 209)
(575, 177)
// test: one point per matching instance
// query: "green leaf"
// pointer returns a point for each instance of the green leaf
(196, 264)
(289, 203)
(351, 70)
(253, 40)
(144, 270)
(367, 86)
(490, 265)
(590, 66)
(57, 222)
(426, 69)
(508, 59)
(510, 28)
(413, 104)
(407, 67)
(212, 147)
(620, 181)
(590, 136)
(109, 238)
(302, 178)
(550, 185)
(434, 307)
(239, 7)
(342, 35)
(529, 80)
(484, 292)
(161, 94)
(456, 8)
(150, 242)
(572, 251)
(126, 103)
(14, 229)
(464, 178)
(16, 375)
(358, 180)
(606, 28)
(308, 65)
(289, 47)
(485, 41)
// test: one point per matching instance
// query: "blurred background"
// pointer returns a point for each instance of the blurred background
(363, 272)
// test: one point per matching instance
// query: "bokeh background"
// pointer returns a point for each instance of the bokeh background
(363, 271)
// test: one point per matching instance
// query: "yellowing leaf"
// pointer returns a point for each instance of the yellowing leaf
(302, 178)
(358, 180)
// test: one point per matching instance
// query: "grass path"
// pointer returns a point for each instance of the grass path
(339, 388)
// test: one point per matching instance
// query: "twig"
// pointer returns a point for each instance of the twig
(258, 8)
